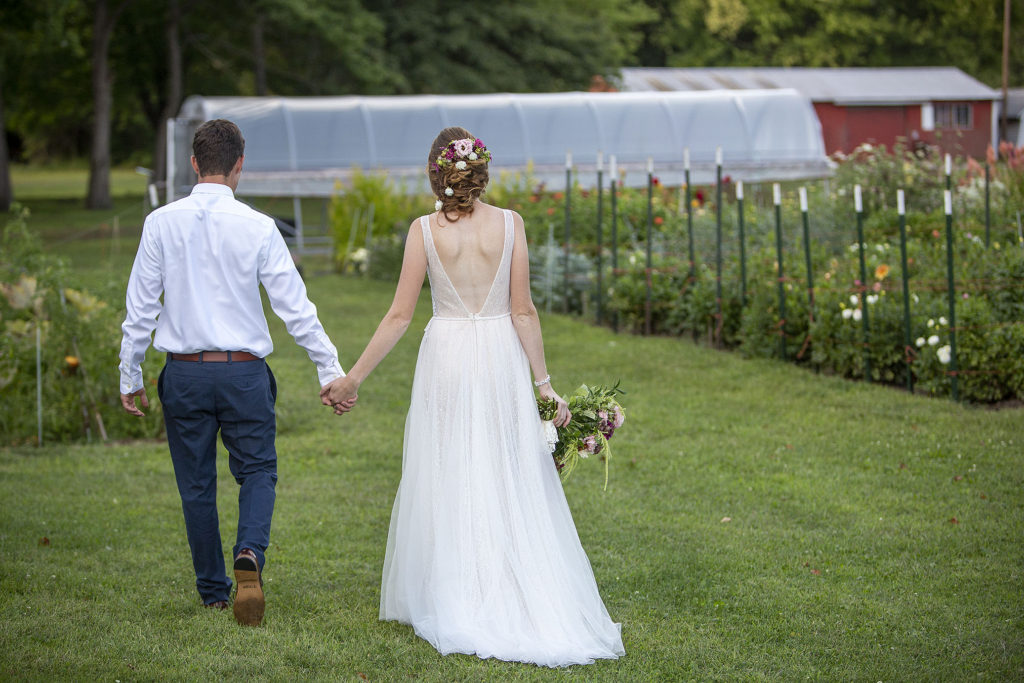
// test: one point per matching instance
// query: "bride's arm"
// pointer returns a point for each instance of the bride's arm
(394, 324)
(526, 320)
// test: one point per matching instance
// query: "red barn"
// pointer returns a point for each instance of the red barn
(938, 105)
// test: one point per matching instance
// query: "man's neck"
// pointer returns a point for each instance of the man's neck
(215, 179)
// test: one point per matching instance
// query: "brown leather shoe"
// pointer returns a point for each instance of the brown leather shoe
(249, 600)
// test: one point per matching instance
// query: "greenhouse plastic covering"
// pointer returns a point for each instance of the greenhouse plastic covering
(306, 146)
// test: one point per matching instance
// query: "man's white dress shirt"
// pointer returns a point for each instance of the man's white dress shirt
(208, 254)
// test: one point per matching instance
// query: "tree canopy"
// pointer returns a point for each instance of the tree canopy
(335, 47)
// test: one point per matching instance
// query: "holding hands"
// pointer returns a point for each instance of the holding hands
(341, 394)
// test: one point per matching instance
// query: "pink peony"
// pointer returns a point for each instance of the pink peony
(463, 147)
(620, 417)
(592, 443)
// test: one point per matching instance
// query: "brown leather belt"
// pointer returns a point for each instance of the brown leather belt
(215, 356)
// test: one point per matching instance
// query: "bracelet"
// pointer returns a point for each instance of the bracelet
(540, 383)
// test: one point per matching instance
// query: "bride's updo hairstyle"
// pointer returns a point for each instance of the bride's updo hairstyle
(457, 168)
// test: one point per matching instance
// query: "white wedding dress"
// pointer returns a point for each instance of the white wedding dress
(483, 556)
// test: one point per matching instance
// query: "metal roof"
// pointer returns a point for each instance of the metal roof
(302, 145)
(850, 86)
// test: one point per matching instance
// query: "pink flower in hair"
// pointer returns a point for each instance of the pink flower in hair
(463, 147)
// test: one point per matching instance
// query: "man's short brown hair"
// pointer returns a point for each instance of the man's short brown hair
(217, 145)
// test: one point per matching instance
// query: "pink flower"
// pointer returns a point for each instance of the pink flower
(592, 444)
(620, 417)
(877, 286)
(966, 295)
(449, 154)
(463, 147)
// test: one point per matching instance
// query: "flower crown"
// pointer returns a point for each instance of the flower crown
(457, 150)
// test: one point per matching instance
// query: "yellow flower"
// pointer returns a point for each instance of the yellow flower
(881, 272)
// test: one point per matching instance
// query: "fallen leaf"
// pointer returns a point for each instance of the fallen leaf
(44, 541)
(726, 519)
(363, 676)
(807, 564)
(816, 572)
(903, 465)
(983, 496)
(954, 520)
(789, 446)
(958, 477)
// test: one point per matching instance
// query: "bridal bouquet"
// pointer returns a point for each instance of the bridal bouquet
(595, 417)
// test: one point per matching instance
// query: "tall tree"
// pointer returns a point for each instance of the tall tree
(174, 89)
(104, 20)
(6, 195)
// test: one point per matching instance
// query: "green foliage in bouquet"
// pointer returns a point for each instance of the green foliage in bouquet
(596, 414)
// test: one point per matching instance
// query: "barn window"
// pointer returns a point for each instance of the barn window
(954, 115)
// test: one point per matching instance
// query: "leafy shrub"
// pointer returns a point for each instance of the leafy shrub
(79, 336)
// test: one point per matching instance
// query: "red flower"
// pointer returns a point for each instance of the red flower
(557, 196)
(658, 220)
(655, 181)
(551, 211)
(534, 198)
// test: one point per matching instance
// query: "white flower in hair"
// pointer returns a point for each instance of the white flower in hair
(437, 205)
(472, 156)
(460, 165)
(448, 192)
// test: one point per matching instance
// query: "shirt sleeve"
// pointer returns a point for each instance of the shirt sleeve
(145, 285)
(287, 294)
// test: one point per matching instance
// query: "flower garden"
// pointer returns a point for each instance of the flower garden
(850, 327)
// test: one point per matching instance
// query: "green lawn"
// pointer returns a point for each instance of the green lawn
(841, 559)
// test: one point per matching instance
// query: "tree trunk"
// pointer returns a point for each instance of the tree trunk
(98, 196)
(174, 91)
(260, 56)
(6, 195)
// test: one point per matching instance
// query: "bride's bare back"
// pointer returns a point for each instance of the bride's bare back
(470, 251)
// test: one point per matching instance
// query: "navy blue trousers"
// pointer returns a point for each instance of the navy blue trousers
(236, 399)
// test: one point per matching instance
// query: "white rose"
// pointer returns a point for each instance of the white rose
(448, 192)
(920, 342)
(931, 323)
(460, 165)
(472, 156)
(933, 340)
(872, 298)
(854, 300)
(943, 322)
(944, 353)
(857, 315)
(437, 205)
(847, 313)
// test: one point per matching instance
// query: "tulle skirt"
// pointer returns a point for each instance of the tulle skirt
(483, 556)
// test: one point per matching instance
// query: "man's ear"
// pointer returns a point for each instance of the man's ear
(238, 165)
(195, 166)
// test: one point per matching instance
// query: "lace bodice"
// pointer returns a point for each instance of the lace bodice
(447, 303)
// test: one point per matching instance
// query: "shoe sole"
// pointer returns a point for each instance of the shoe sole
(249, 600)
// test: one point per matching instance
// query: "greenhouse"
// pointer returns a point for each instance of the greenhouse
(305, 146)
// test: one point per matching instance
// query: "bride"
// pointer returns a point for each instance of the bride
(482, 556)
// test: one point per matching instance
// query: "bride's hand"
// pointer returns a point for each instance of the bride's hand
(562, 414)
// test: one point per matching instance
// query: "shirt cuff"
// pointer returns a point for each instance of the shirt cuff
(129, 385)
(330, 373)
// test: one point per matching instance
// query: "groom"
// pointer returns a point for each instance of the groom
(208, 254)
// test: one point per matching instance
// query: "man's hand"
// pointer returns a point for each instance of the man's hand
(128, 402)
(341, 394)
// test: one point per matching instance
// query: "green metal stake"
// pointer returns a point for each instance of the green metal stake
(858, 206)
(689, 214)
(743, 245)
(650, 230)
(953, 370)
(600, 238)
(718, 246)
(568, 231)
(988, 212)
(807, 255)
(906, 289)
(777, 196)
(615, 234)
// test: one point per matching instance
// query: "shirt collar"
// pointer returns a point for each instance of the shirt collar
(212, 188)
